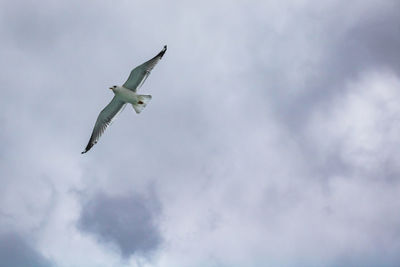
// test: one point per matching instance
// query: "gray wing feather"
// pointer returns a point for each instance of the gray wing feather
(104, 119)
(139, 74)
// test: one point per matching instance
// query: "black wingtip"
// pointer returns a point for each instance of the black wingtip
(162, 51)
(83, 152)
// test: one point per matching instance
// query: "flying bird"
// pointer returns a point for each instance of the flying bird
(123, 95)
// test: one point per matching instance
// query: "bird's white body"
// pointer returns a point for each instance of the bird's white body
(126, 95)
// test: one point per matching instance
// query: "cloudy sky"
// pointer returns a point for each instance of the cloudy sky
(272, 138)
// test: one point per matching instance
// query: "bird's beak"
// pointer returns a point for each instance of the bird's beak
(110, 88)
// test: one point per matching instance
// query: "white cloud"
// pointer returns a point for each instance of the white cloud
(270, 139)
(362, 123)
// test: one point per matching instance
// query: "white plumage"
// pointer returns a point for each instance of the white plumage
(125, 94)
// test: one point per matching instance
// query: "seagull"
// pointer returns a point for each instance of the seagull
(122, 95)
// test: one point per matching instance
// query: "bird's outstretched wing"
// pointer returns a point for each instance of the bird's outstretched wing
(104, 119)
(140, 73)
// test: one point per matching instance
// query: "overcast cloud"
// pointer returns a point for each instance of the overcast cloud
(14, 251)
(271, 138)
(129, 222)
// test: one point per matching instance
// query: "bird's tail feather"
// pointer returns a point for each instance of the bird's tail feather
(142, 102)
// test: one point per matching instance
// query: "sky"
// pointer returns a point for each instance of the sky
(272, 138)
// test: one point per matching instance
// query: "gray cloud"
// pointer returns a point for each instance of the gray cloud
(15, 251)
(129, 222)
(270, 139)
(322, 53)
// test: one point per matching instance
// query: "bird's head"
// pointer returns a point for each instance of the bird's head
(113, 87)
